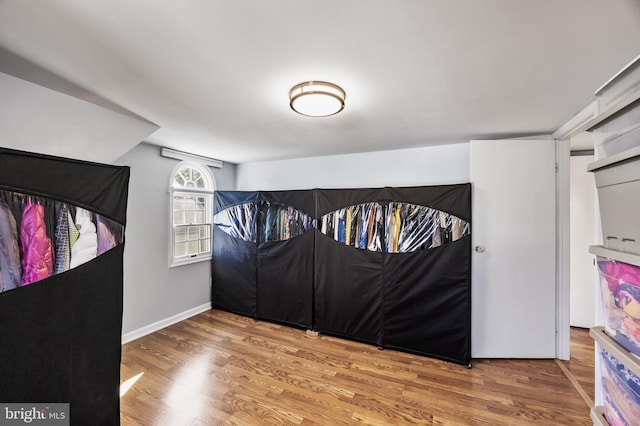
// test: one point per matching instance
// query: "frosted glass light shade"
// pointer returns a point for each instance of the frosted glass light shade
(316, 98)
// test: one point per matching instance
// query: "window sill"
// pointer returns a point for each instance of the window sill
(188, 261)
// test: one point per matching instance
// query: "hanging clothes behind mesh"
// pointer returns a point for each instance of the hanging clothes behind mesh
(86, 247)
(107, 237)
(10, 266)
(36, 246)
(62, 239)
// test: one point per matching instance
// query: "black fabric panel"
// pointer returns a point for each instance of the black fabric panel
(329, 200)
(427, 306)
(97, 187)
(224, 199)
(61, 340)
(234, 265)
(348, 290)
(302, 200)
(285, 280)
(453, 199)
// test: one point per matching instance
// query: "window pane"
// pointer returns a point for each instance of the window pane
(191, 177)
(189, 203)
(193, 233)
(190, 217)
(204, 246)
(178, 218)
(181, 249)
(195, 217)
(193, 247)
(204, 232)
(181, 234)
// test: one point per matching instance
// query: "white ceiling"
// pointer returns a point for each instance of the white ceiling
(215, 75)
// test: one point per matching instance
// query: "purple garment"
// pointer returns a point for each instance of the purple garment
(10, 268)
(37, 250)
(106, 239)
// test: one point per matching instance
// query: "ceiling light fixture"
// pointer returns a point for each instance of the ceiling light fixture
(316, 98)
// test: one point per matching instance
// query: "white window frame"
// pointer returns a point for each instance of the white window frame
(207, 193)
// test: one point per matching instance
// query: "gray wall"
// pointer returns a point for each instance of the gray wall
(153, 292)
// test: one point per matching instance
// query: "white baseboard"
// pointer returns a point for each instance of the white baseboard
(148, 329)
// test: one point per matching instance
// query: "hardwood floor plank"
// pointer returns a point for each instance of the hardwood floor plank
(582, 360)
(221, 368)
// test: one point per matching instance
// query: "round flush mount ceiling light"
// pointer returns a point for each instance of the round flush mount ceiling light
(316, 98)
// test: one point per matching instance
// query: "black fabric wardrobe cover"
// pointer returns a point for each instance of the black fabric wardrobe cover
(427, 302)
(417, 299)
(348, 291)
(414, 301)
(234, 262)
(270, 280)
(97, 187)
(348, 281)
(285, 268)
(61, 337)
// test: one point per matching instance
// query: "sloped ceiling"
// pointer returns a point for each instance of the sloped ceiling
(37, 119)
(214, 75)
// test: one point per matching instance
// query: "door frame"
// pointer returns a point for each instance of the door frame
(563, 283)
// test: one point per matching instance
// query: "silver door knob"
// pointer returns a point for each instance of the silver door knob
(479, 249)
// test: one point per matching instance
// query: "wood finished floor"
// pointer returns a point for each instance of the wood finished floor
(219, 368)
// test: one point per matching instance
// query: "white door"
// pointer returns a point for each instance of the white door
(514, 241)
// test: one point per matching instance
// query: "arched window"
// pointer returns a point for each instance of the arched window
(191, 193)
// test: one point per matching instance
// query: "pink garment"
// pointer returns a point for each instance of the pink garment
(618, 272)
(36, 247)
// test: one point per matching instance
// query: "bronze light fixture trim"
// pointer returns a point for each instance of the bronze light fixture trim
(316, 98)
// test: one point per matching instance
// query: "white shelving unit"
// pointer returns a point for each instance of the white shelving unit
(615, 127)
(624, 357)
(619, 93)
(597, 416)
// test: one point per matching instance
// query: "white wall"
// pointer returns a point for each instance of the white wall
(583, 234)
(154, 294)
(443, 164)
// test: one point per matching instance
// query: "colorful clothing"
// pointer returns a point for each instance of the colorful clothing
(37, 250)
(86, 247)
(63, 243)
(10, 267)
